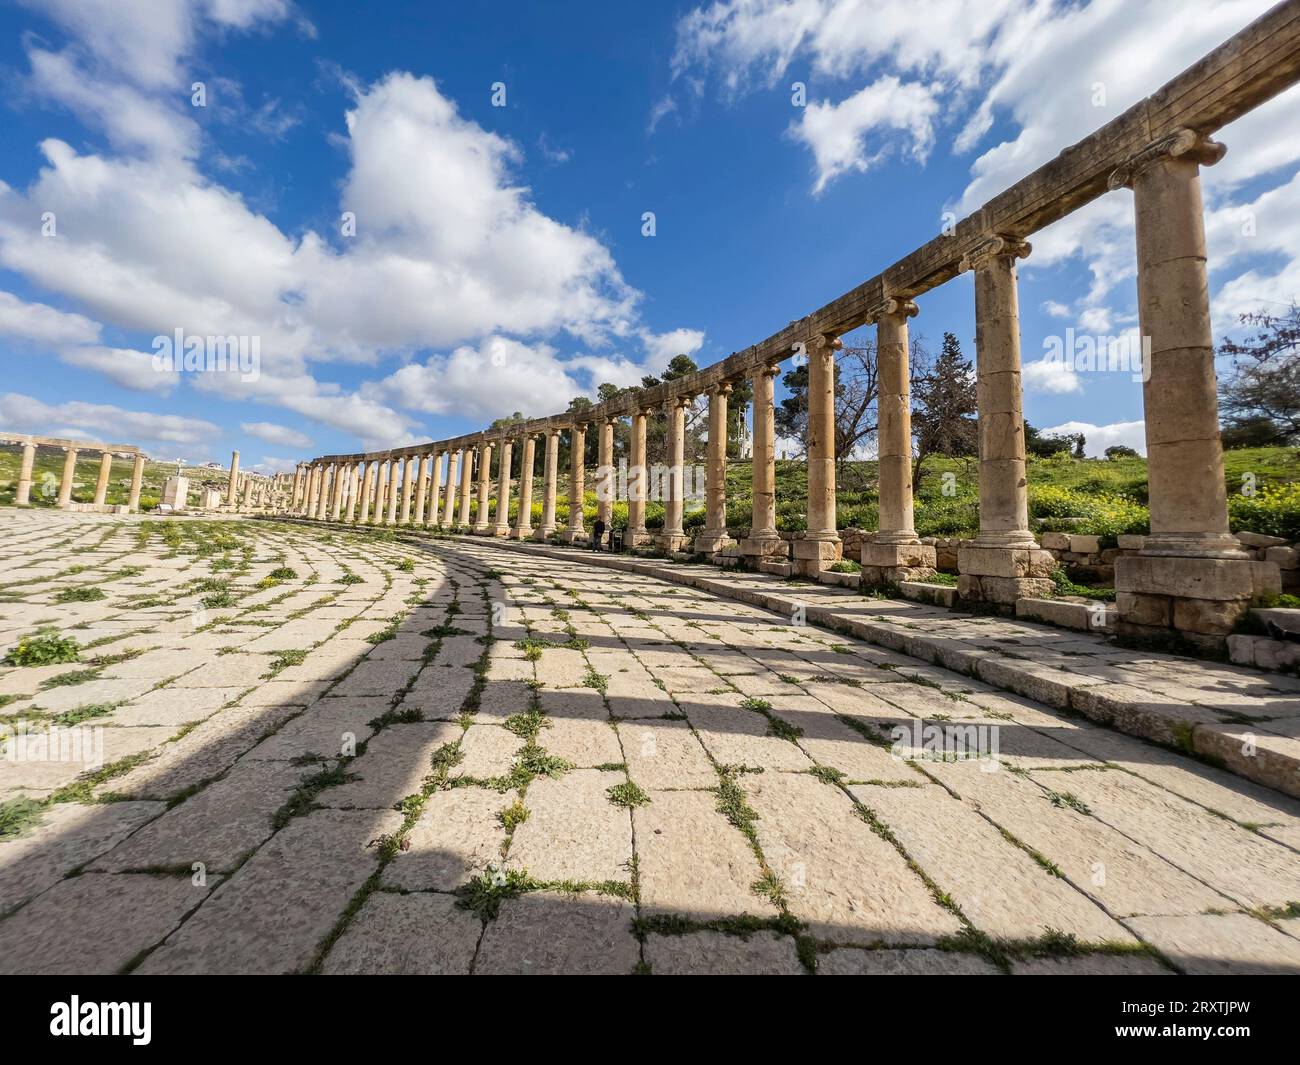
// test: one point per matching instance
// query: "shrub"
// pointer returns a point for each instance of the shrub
(44, 648)
(1274, 511)
(283, 573)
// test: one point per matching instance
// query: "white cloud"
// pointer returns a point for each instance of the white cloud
(837, 133)
(1050, 374)
(1097, 438)
(124, 366)
(160, 434)
(276, 434)
(36, 321)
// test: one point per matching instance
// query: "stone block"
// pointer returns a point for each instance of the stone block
(1283, 557)
(1055, 541)
(1069, 615)
(1149, 610)
(1194, 578)
(820, 550)
(1005, 590)
(1210, 617)
(1085, 545)
(921, 592)
(1004, 562)
(915, 556)
(1281, 622)
(1130, 542)
(764, 548)
(1251, 539)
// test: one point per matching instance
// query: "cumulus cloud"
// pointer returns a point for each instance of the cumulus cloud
(1051, 375)
(1097, 438)
(272, 433)
(448, 241)
(160, 434)
(123, 366)
(38, 322)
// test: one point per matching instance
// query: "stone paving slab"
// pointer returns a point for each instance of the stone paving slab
(712, 954)
(1182, 858)
(412, 935)
(598, 937)
(95, 923)
(68, 836)
(273, 914)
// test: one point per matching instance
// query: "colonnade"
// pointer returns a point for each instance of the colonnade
(71, 450)
(1192, 574)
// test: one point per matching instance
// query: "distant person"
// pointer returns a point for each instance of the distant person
(597, 534)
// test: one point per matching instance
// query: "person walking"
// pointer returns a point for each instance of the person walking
(597, 534)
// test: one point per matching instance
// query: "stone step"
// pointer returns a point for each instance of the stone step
(777, 569)
(1086, 617)
(925, 592)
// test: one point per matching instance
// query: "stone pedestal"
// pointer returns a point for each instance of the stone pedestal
(810, 557)
(176, 492)
(894, 563)
(1002, 575)
(1203, 598)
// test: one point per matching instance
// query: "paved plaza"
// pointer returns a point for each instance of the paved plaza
(326, 751)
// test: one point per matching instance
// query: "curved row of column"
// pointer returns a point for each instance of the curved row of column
(1192, 574)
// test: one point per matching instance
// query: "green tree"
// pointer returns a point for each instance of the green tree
(944, 407)
(1259, 402)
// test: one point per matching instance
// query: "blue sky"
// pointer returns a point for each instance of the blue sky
(498, 262)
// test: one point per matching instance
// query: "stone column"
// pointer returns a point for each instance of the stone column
(409, 474)
(297, 488)
(105, 471)
(336, 493)
(672, 537)
(502, 526)
(137, 483)
(327, 480)
(1191, 573)
(435, 490)
(549, 478)
(575, 531)
(232, 487)
(895, 553)
(763, 541)
(1003, 563)
(714, 537)
(381, 492)
(820, 545)
(453, 472)
(23, 493)
(466, 486)
(481, 521)
(637, 483)
(367, 490)
(524, 520)
(354, 491)
(69, 476)
(249, 485)
(421, 482)
(395, 481)
(605, 482)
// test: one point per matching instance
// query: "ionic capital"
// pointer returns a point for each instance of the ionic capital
(1182, 143)
(902, 308)
(997, 247)
(823, 343)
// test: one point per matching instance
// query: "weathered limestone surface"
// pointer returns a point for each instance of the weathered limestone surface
(279, 818)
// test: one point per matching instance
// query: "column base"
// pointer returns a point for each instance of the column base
(480, 528)
(500, 530)
(543, 532)
(1200, 598)
(637, 538)
(810, 557)
(895, 563)
(571, 536)
(764, 547)
(1001, 575)
(710, 543)
(522, 532)
(672, 541)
